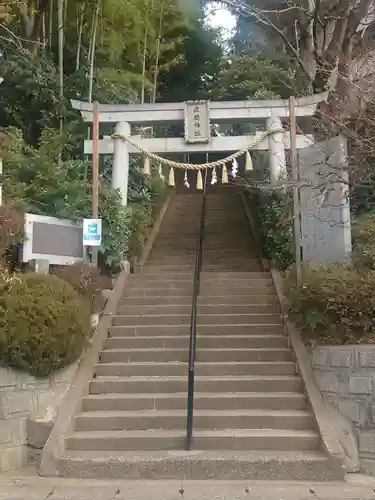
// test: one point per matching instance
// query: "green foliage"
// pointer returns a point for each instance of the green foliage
(274, 226)
(64, 190)
(334, 304)
(363, 233)
(138, 22)
(44, 323)
(87, 281)
(198, 66)
(362, 193)
(138, 43)
(30, 98)
(253, 77)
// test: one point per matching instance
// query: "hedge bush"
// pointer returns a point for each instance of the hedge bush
(44, 323)
(87, 281)
(334, 304)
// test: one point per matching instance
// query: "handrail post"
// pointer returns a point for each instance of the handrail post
(193, 323)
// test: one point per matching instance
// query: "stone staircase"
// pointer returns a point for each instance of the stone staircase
(251, 417)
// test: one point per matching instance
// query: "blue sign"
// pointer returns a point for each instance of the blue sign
(92, 232)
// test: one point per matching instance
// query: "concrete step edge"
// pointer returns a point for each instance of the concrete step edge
(203, 455)
(182, 413)
(188, 315)
(150, 433)
(202, 349)
(256, 336)
(199, 395)
(200, 378)
(197, 363)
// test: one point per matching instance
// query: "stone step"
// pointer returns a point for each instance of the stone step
(206, 283)
(189, 251)
(144, 310)
(202, 401)
(178, 275)
(227, 264)
(177, 330)
(267, 465)
(152, 440)
(203, 342)
(166, 269)
(214, 384)
(206, 300)
(181, 266)
(108, 367)
(203, 355)
(206, 291)
(249, 263)
(211, 241)
(203, 420)
(229, 245)
(202, 319)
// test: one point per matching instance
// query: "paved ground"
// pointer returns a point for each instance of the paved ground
(35, 488)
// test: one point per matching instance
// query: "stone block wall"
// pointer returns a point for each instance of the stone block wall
(24, 397)
(345, 376)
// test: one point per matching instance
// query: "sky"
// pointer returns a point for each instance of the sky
(219, 17)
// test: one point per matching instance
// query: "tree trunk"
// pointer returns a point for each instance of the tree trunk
(31, 22)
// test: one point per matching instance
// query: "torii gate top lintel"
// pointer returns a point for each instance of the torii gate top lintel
(220, 111)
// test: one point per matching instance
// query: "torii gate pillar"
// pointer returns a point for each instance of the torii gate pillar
(120, 166)
(276, 150)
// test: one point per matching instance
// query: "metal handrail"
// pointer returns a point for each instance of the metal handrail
(193, 323)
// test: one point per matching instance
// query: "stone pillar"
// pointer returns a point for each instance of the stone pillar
(120, 168)
(276, 150)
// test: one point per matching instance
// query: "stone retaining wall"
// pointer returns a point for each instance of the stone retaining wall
(25, 399)
(346, 377)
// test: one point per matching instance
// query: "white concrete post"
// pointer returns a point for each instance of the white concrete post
(276, 150)
(120, 167)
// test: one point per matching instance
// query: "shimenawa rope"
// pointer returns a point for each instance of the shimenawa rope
(201, 166)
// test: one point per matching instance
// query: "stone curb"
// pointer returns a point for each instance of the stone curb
(153, 234)
(330, 443)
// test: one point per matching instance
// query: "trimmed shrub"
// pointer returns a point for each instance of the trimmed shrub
(335, 304)
(44, 323)
(87, 281)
